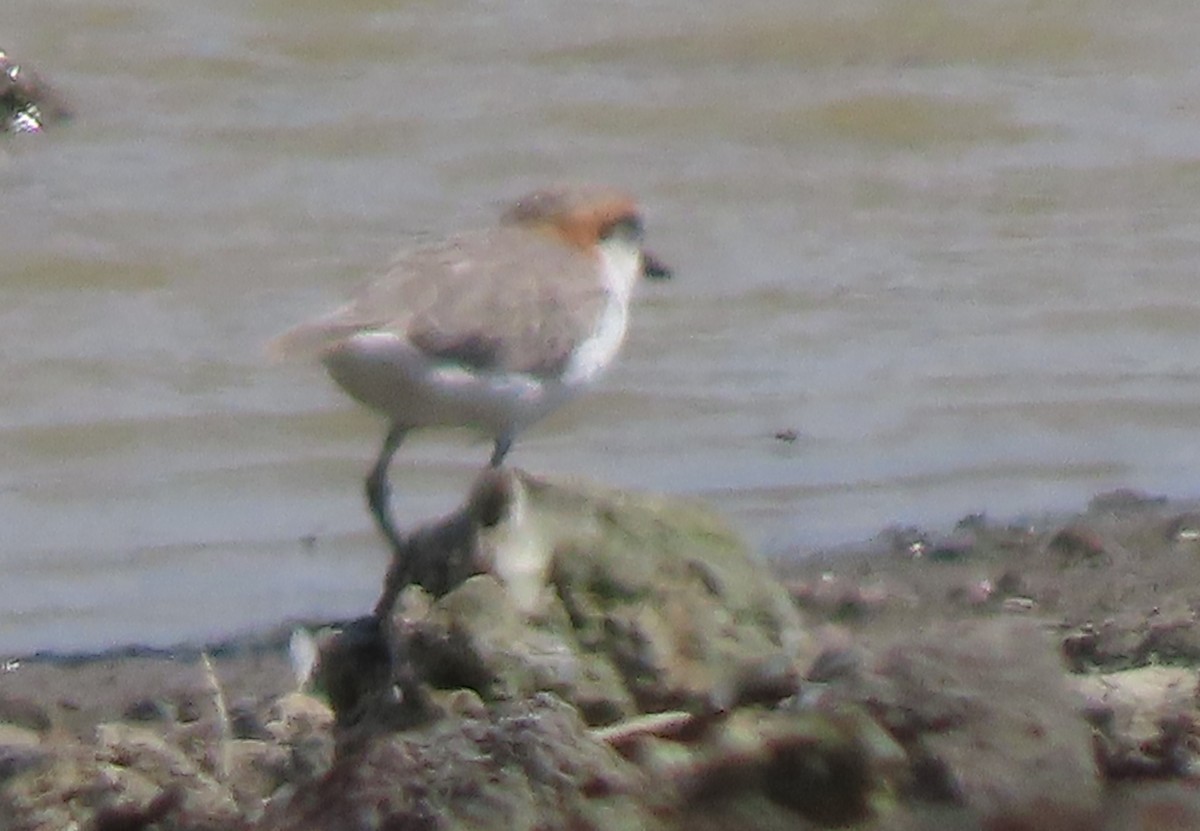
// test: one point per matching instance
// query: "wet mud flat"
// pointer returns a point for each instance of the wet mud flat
(1116, 586)
(1039, 673)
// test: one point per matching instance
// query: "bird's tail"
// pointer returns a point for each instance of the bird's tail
(308, 341)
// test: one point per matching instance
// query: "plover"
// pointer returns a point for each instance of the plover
(489, 330)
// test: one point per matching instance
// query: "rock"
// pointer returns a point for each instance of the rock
(534, 764)
(296, 715)
(244, 720)
(475, 638)
(257, 770)
(23, 712)
(1076, 544)
(129, 778)
(149, 710)
(755, 769)
(464, 703)
(529, 765)
(618, 603)
(145, 752)
(302, 726)
(1144, 720)
(27, 103)
(20, 750)
(1156, 806)
(989, 724)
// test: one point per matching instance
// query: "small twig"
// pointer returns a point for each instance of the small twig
(661, 725)
(225, 733)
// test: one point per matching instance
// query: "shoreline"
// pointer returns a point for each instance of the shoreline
(878, 552)
(904, 576)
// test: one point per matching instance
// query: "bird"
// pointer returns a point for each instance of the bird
(489, 329)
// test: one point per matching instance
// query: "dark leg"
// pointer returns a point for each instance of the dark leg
(500, 450)
(378, 491)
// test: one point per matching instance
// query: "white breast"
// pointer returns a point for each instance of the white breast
(622, 265)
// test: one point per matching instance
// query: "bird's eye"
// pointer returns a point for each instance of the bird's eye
(627, 228)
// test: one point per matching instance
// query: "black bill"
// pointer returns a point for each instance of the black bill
(653, 268)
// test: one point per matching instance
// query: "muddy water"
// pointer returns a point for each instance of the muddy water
(951, 246)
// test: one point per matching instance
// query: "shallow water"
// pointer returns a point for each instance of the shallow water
(951, 245)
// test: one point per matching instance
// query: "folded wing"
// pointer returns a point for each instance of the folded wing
(480, 300)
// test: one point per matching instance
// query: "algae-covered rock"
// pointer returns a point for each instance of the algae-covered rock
(620, 603)
(534, 764)
(528, 765)
(464, 702)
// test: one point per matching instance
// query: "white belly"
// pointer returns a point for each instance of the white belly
(388, 374)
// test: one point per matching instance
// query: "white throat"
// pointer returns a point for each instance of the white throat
(621, 267)
(621, 262)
